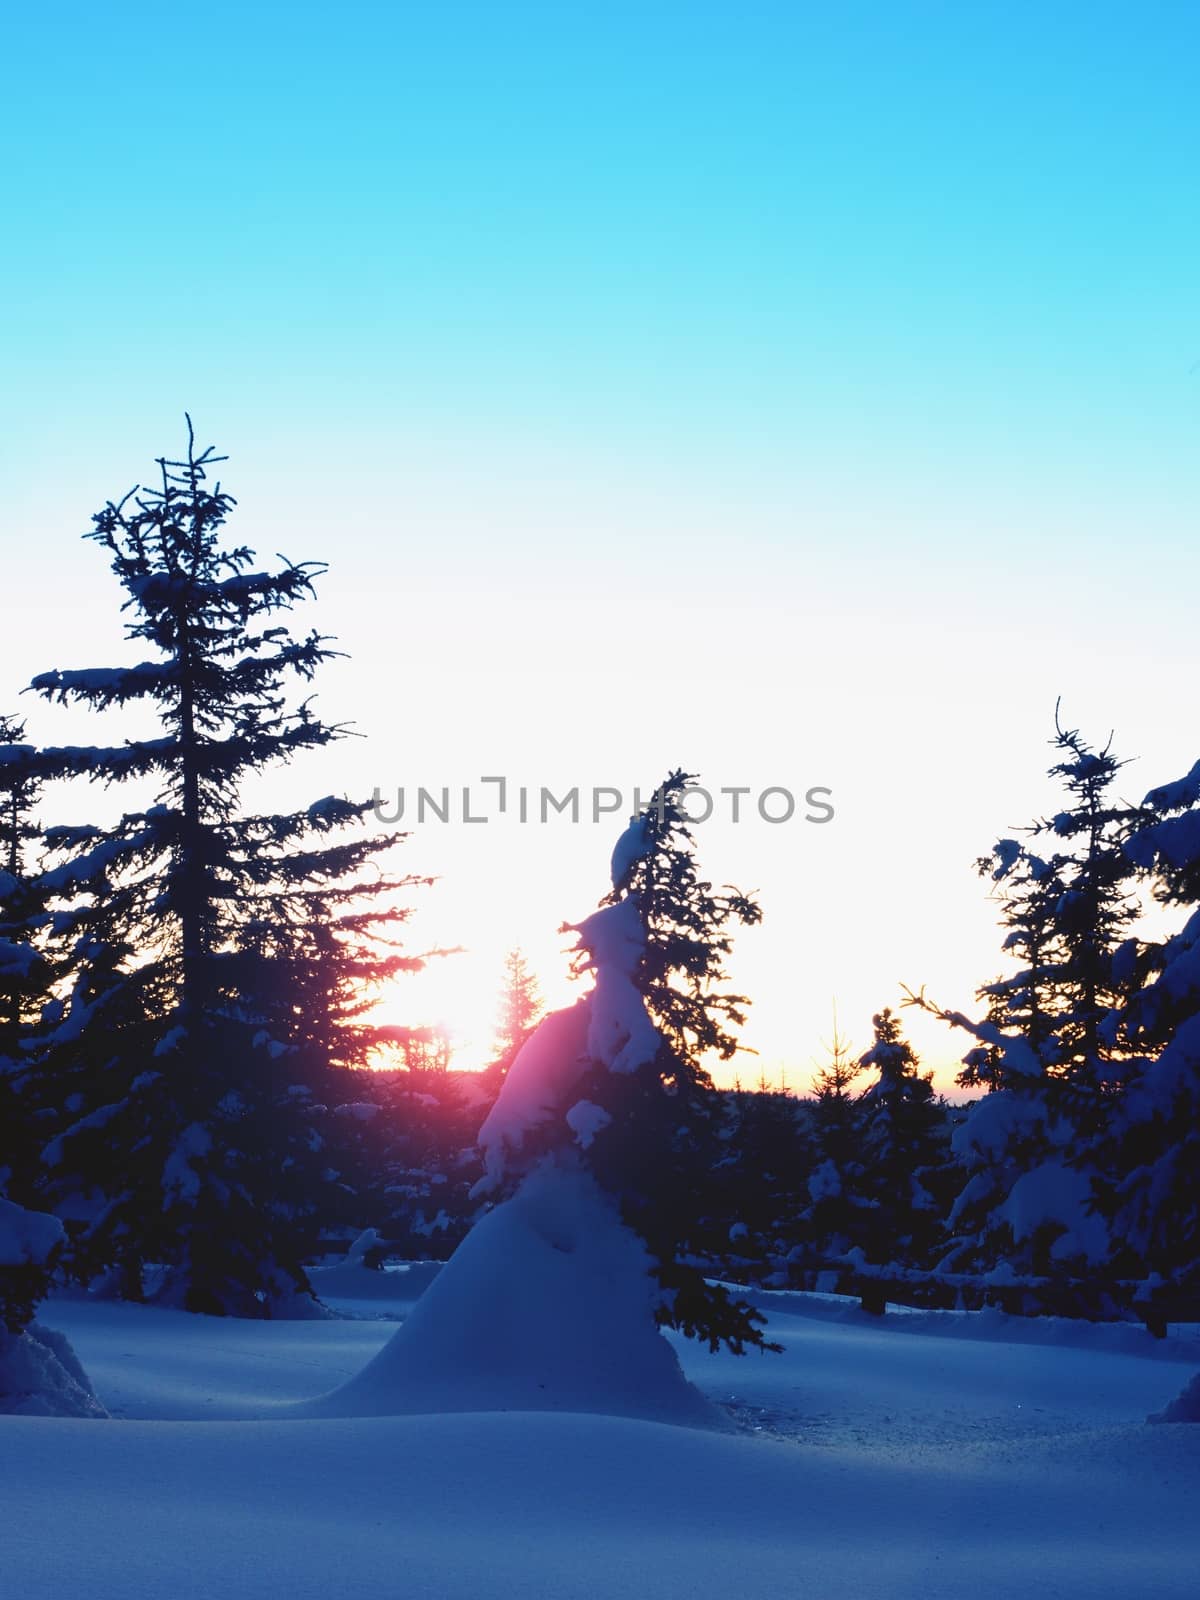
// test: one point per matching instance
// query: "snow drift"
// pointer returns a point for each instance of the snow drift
(545, 1306)
(40, 1376)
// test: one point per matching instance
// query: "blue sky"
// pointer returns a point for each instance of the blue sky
(842, 361)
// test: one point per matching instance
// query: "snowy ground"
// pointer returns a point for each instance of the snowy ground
(930, 1455)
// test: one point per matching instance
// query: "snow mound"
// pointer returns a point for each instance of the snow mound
(1184, 1408)
(40, 1376)
(545, 1306)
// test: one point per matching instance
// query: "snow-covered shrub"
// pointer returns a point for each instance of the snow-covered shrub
(39, 1372)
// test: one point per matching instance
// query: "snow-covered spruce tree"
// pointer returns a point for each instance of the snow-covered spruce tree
(1151, 1195)
(650, 1120)
(1092, 919)
(1030, 1148)
(1065, 913)
(556, 1298)
(209, 944)
(689, 935)
(660, 1150)
(1012, 1132)
(904, 1151)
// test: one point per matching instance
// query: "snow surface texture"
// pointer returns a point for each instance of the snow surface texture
(40, 1376)
(928, 1457)
(546, 1305)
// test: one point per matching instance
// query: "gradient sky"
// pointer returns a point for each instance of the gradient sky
(799, 394)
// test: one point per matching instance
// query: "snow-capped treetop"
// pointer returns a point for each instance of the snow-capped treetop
(689, 925)
(630, 848)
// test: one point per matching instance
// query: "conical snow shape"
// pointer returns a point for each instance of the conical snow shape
(545, 1306)
(548, 1303)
